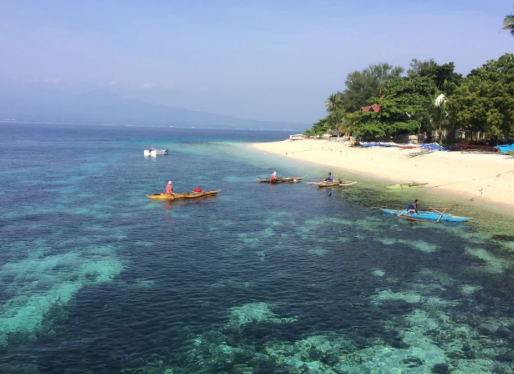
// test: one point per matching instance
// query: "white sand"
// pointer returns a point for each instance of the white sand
(488, 177)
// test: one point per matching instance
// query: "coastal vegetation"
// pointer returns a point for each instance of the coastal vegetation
(384, 101)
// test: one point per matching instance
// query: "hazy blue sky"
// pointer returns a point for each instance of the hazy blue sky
(269, 60)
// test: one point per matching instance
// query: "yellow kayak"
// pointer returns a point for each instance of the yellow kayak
(182, 196)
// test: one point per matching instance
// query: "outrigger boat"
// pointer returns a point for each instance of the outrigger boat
(282, 180)
(427, 216)
(182, 196)
(331, 184)
(406, 185)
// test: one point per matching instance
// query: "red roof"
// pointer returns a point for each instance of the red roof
(375, 108)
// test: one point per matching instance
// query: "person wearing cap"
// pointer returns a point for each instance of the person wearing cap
(274, 176)
(330, 178)
(169, 188)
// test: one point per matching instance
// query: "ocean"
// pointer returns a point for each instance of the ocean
(97, 278)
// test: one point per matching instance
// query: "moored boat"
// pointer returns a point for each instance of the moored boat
(406, 186)
(467, 145)
(390, 144)
(505, 149)
(182, 196)
(282, 180)
(434, 147)
(410, 146)
(369, 144)
(431, 216)
(155, 152)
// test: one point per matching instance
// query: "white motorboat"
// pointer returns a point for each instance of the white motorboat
(155, 152)
(296, 137)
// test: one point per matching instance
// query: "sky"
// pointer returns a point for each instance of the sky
(266, 60)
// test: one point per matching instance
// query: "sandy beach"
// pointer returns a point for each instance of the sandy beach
(484, 177)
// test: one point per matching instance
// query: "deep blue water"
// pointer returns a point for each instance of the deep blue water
(96, 278)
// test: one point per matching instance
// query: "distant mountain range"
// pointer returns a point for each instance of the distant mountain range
(102, 107)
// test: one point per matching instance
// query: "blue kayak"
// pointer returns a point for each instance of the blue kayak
(370, 144)
(427, 216)
(434, 147)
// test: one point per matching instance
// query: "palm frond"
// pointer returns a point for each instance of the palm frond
(508, 23)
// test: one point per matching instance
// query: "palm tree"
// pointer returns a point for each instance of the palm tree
(333, 102)
(508, 23)
(339, 122)
(439, 114)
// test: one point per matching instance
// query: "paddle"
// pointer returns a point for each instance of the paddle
(442, 214)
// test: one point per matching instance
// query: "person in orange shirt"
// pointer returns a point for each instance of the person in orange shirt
(169, 188)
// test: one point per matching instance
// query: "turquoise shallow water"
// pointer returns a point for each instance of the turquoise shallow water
(95, 278)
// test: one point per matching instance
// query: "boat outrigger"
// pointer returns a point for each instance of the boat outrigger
(406, 185)
(332, 184)
(427, 216)
(182, 196)
(282, 180)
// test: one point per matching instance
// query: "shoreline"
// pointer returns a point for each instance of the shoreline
(481, 178)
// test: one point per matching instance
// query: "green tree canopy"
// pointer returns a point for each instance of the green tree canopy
(319, 128)
(443, 76)
(485, 100)
(403, 109)
(361, 85)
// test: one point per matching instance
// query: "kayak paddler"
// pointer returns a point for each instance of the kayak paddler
(273, 176)
(197, 190)
(169, 188)
(413, 207)
(330, 178)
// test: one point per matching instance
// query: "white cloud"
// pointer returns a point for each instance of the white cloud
(146, 85)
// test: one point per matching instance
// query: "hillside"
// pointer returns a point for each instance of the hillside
(97, 107)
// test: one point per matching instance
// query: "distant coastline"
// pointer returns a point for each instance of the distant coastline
(177, 127)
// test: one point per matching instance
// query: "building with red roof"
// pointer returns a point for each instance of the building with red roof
(375, 108)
